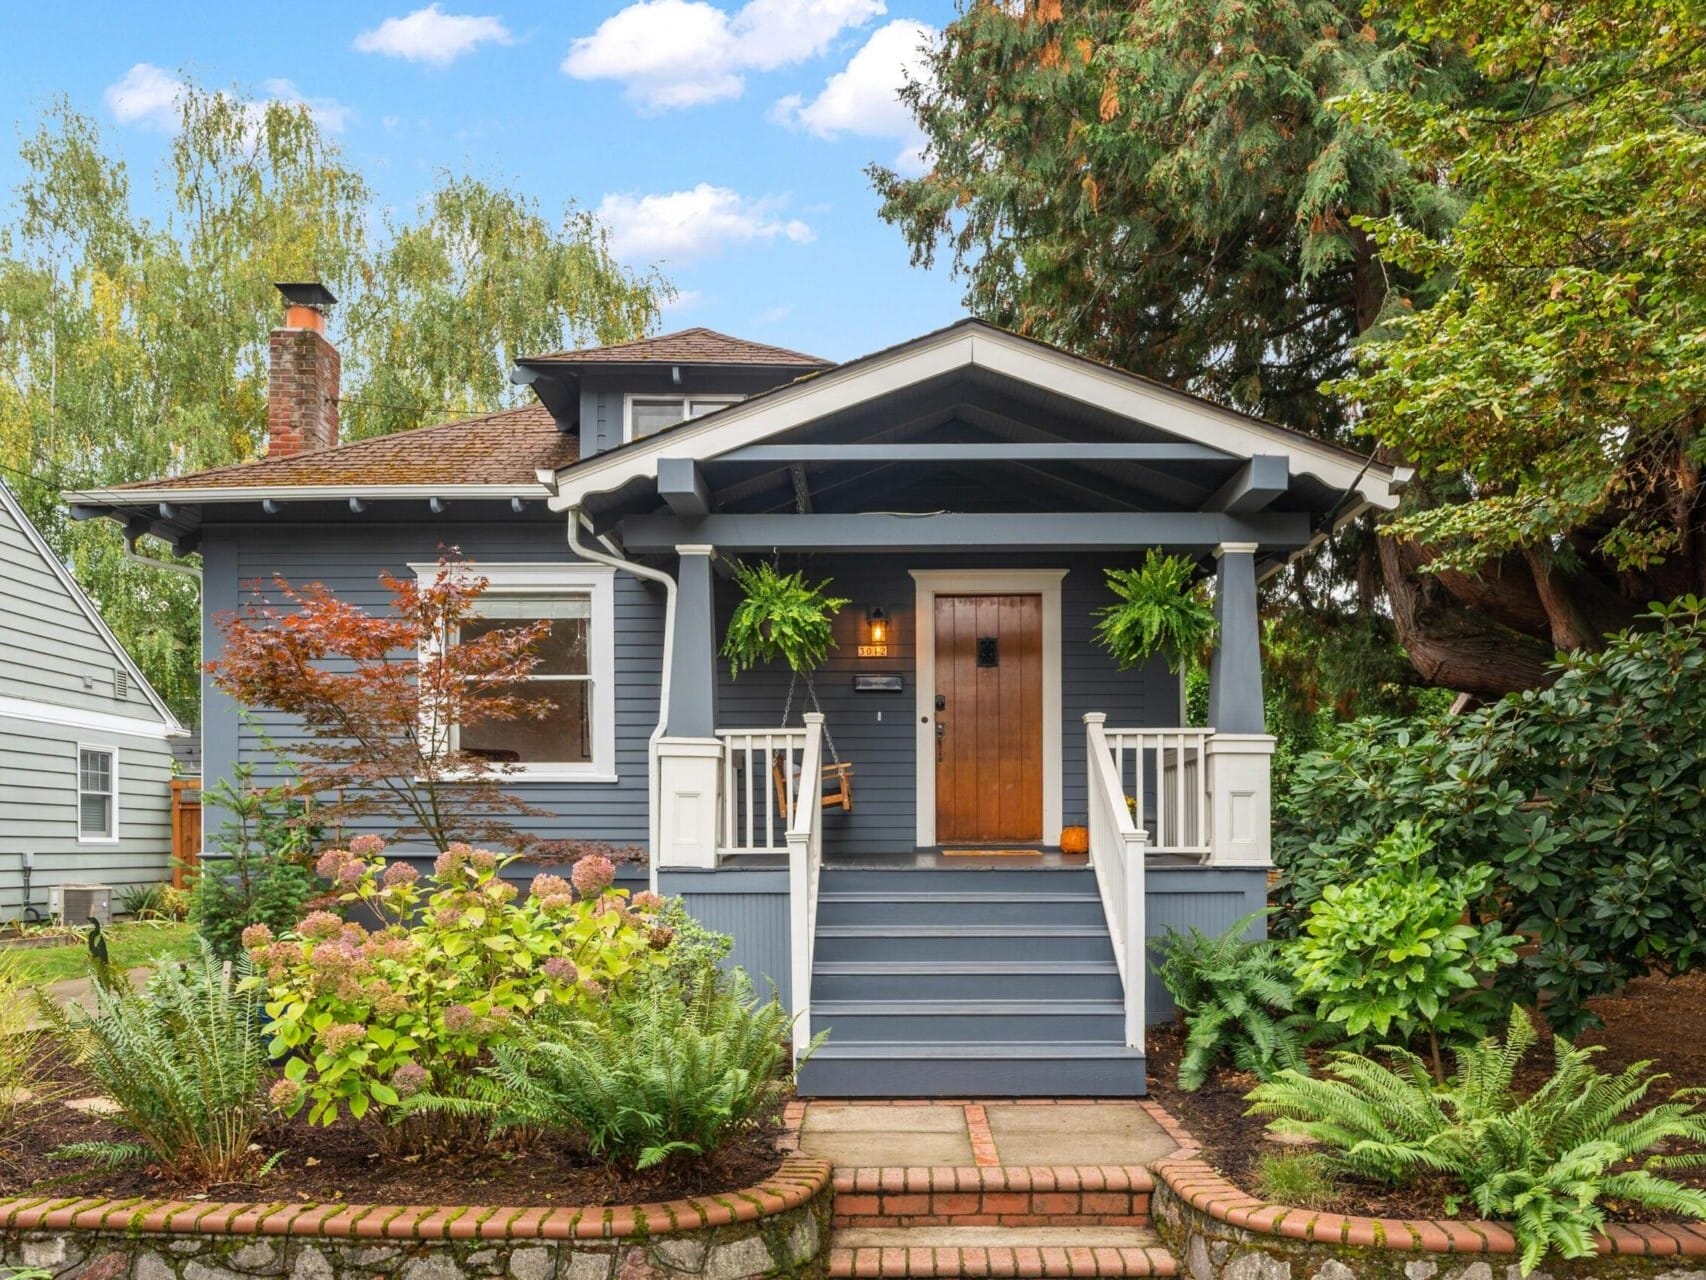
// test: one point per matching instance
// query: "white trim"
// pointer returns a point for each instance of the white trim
(168, 722)
(78, 718)
(982, 346)
(548, 578)
(186, 496)
(928, 584)
(1236, 549)
(111, 752)
(687, 400)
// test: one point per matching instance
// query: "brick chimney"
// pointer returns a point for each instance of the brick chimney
(302, 379)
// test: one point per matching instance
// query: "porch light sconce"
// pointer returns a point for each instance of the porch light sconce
(876, 642)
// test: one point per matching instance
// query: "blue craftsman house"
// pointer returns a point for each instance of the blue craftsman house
(966, 490)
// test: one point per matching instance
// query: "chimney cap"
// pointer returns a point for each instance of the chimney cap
(307, 294)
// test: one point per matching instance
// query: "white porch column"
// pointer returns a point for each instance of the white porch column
(690, 757)
(1238, 754)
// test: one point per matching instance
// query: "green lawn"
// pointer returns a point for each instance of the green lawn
(128, 945)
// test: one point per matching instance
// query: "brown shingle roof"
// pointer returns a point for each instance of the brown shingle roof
(689, 346)
(495, 448)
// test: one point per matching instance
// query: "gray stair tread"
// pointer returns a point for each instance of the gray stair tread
(1067, 1049)
(954, 930)
(1017, 1008)
(994, 1237)
(965, 966)
(950, 897)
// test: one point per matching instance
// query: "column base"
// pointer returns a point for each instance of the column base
(688, 773)
(1240, 797)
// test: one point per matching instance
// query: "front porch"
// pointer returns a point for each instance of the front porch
(967, 496)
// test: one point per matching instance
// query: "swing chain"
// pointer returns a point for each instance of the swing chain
(811, 692)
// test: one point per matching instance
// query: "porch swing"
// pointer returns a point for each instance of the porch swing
(835, 781)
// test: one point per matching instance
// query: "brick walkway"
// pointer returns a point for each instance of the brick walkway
(1032, 1188)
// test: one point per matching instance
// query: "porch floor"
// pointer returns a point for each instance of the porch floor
(987, 1134)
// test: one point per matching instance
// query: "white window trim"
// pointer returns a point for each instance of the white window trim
(722, 400)
(928, 584)
(548, 579)
(111, 752)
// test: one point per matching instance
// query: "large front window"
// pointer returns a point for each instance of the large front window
(650, 414)
(574, 741)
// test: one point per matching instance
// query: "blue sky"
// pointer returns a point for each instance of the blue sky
(723, 140)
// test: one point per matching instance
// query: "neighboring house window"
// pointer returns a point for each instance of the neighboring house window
(649, 414)
(576, 740)
(97, 793)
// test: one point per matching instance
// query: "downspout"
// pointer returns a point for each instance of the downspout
(609, 557)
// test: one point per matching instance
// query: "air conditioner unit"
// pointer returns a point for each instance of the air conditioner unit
(74, 904)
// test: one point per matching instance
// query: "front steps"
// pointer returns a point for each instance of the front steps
(1014, 1221)
(973, 982)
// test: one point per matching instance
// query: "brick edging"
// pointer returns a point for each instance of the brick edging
(1193, 1180)
(798, 1180)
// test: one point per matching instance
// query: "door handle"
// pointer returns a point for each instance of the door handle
(941, 732)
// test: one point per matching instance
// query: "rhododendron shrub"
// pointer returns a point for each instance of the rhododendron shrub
(371, 1017)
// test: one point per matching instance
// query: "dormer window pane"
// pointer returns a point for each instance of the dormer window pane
(649, 414)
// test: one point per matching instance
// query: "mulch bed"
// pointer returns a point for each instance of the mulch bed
(1654, 1018)
(345, 1163)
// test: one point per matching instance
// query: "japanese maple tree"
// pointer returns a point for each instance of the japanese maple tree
(381, 693)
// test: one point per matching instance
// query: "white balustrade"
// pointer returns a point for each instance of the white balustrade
(762, 769)
(1164, 777)
(1116, 854)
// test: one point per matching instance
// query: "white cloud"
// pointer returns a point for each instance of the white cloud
(433, 36)
(863, 98)
(695, 223)
(684, 300)
(684, 53)
(146, 95)
(151, 96)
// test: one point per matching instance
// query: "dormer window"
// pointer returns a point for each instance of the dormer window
(645, 415)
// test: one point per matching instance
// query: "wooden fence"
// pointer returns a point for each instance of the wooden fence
(186, 830)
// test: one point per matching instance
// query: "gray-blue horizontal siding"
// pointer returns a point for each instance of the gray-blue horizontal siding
(875, 731)
(1212, 899)
(348, 558)
(750, 906)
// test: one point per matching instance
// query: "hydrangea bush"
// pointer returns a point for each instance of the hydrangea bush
(371, 1017)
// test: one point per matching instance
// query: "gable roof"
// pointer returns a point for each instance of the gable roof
(973, 343)
(686, 346)
(10, 505)
(503, 450)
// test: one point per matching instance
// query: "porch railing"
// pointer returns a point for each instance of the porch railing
(805, 865)
(1163, 775)
(1116, 853)
(761, 773)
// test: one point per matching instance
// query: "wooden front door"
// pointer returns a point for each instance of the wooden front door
(989, 719)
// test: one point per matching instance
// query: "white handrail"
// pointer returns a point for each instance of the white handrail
(1116, 853)
(1170, 768)
(755, 818)
(805, 863)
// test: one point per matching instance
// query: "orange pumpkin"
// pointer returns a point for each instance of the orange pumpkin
(1075, 840)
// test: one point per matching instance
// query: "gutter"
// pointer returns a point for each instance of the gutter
(185, 496)
(608, 556)
(154, 562)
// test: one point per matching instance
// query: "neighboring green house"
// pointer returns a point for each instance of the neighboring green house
(85, 751)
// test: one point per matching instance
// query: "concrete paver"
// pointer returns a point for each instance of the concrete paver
(1100, 1133)
(867, 1136)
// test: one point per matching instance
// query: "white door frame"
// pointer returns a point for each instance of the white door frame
(930, 583)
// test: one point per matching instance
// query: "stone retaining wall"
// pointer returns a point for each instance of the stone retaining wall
(779, 1228)
(1219, 1232)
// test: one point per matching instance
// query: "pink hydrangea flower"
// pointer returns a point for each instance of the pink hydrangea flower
(256, 936)
(561, 969)
(458, 1018)
(409, 1079)
(330, 863)
(592, 875)
(484, 860)
(350, 874)
(646, 900)
(367, 846)
(399, 873)
(320, 924)
(546, 885)
(342, 1035)
(285, 1095)
(593, 987)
